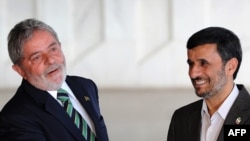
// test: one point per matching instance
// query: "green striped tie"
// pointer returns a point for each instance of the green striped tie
(62, 95)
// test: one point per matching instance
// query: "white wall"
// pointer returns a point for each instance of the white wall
(126, 43)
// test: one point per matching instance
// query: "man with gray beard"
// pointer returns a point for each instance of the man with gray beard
(49, 105)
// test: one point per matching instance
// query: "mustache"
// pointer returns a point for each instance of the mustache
(53, 68)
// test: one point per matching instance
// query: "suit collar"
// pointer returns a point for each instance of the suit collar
(38, 95)
(82, 93)
(238, 108)
(58, 112)
(86, 93)
(49, 104)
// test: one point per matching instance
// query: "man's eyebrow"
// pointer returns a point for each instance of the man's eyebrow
(52, 44)
(36, 52)
(199, 60)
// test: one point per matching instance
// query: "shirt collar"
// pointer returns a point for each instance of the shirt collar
(226, 105)
(65, 87)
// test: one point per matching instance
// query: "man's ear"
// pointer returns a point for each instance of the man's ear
(231, 66)
(19, 70)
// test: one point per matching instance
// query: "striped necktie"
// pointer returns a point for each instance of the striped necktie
(80, 122)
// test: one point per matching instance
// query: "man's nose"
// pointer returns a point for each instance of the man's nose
(194, 71)
(50, 59)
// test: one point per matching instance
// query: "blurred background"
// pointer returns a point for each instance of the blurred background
(133, 49)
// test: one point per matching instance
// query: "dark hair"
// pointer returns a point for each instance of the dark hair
(228, 44)
(21, 33)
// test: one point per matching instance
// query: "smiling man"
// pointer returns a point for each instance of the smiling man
(214, 57)
(49, 105)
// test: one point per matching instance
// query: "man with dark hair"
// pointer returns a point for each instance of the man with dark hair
(214, 57)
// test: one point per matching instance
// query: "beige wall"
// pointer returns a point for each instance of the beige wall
(127, 43)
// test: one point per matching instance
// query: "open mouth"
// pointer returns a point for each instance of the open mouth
(53, 70)
(199, 83)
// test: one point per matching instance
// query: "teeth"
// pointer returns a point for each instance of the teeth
(199, 82)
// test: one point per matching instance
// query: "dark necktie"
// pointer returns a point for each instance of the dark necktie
(80, 122)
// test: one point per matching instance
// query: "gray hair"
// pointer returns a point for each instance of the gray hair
(21, 33)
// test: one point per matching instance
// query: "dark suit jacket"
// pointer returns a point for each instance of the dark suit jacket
(186, 121)
(34, 115)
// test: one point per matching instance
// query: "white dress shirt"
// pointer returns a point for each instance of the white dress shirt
(211, 126)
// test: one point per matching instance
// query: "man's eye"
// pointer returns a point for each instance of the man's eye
(36, 58)
(53, 49)
(203, 63)
(190, 63)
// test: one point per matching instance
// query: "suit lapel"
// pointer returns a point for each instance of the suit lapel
(194, 123)
(194, 128)
(58, 112)
(239, 107)
(53, 107)
(83, 95)
(238, 110)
